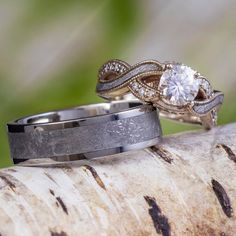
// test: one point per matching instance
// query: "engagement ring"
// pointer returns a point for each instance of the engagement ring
(179, 92)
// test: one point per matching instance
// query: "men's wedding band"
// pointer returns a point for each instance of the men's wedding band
(89, 131)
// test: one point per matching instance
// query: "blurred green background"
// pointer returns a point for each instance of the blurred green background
(50, 51)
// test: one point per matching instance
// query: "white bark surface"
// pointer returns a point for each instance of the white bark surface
(186, 186)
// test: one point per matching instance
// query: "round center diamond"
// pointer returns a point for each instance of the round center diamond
(178, 85)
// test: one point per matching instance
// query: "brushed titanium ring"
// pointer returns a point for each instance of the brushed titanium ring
(85, 132)
(178, 91)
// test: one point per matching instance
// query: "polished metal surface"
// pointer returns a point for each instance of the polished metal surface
(85, 132)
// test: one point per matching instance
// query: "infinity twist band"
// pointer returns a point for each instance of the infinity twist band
(85, 132)
(179, 92)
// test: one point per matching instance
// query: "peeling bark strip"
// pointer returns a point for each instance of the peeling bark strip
(95, 176)
(8, 183)
(163, 153)
(62, 233)
(222, 198)
(160, 221)
(229, 151)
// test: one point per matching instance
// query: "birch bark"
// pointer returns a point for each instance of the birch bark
(186, 186)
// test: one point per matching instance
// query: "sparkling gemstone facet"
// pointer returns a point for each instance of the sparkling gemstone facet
(178, 85)
(206, 86)
(135, 86)
(141, 92)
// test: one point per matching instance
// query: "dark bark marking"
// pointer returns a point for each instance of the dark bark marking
(62, 204)
(11, 170)
(50, 177)
(8, 183)
(159, 220)
(52, 192)
(62, 233)
(64, 167)
(222, 198)
(163, 153)
(95, 176)
(228, 150)
(59, 202)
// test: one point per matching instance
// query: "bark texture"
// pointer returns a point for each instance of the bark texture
(185, 186)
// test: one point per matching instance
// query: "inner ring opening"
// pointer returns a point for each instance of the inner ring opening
(86, 111)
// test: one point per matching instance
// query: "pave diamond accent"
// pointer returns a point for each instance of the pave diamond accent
(146, 93)
(178, 85)
(112, 67)
(205, 85)
(214, 116)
